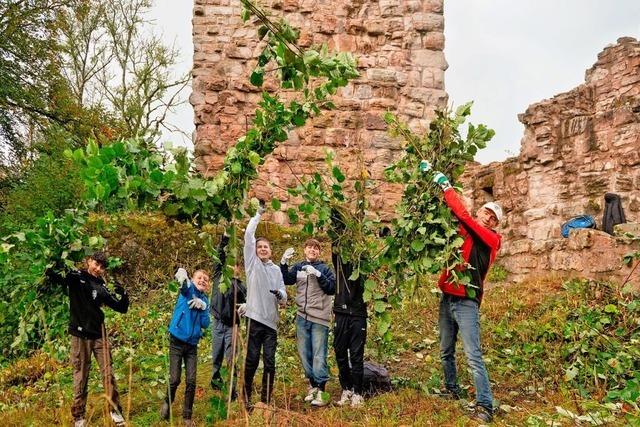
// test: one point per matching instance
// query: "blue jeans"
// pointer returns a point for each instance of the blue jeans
(462, 315)
(312, 346)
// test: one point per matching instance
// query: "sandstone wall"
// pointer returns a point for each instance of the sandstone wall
(399, 46)
(576, 146)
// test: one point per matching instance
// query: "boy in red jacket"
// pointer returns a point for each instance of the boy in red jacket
(460, 305)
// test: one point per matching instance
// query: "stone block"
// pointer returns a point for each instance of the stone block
(381, 75)
(428, 22)
(627, 228)
(429, 58)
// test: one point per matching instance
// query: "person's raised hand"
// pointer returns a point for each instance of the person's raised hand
(181, 275)
(286, 256)
(441, 179)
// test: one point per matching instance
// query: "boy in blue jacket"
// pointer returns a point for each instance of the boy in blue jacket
(190, 317)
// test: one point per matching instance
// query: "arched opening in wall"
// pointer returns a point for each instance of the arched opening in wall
(486, 194)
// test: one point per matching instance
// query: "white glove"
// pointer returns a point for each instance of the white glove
(309, 269)
(242, 309)
(261, 209)
(197, 304)
(181, 275)
(287, 256)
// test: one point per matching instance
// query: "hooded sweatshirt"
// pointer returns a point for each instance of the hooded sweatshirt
(262, 277)
(313, 296)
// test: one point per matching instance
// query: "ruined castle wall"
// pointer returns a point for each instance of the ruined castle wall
(399, 47)
(576, 147)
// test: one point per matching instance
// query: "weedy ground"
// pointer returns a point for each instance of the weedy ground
(559, 353)
(527, 366)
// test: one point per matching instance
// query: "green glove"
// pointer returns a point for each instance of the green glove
(425, 166)
(440, 179)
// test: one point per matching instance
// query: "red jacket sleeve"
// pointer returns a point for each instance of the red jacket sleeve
(487, 236)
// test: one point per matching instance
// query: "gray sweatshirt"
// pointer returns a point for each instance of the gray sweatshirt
(262, 305)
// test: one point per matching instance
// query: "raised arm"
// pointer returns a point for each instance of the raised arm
(250, 256)
(488, 237)
(289, 276)
(222, 257)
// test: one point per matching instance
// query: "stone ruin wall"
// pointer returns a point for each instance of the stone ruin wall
(576, 147)
(399, 47)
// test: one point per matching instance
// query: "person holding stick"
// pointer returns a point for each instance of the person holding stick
(87, 294)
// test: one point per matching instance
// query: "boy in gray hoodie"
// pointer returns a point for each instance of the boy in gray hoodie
(265, 291)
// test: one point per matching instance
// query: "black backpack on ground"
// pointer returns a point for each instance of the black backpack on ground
(375, 379)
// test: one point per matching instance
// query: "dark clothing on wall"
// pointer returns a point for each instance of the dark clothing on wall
(350, 335)
(87, 293)
(180, 351)
(260, 337)
(613, 212)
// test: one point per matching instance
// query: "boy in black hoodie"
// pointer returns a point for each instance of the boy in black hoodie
(227, 319)
(350, 330)
(87, 293)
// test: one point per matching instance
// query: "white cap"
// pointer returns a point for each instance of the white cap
(495, 208)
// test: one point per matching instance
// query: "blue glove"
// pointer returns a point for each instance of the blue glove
(425, 166)
(440, 179)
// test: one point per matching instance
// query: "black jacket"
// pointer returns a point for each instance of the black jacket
(348, 299)
(222, 304)
(87, 294)
(613, 212)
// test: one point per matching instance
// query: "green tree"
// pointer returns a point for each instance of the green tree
(112, 60)
(27, 66)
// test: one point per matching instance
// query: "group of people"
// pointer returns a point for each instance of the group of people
(320, 295)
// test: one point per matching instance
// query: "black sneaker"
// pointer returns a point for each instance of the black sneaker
(482, 414)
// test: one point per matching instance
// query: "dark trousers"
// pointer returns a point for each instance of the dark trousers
(179, 351)
(265, 338)
(81, 350)
(350, 335)
(223, 347)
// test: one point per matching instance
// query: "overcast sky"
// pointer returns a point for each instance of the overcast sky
(503, 54)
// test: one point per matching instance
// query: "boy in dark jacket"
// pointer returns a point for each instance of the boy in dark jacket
(350, 330)
(190, 317)
(223, 308)
(315, 284)
(87, 293)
